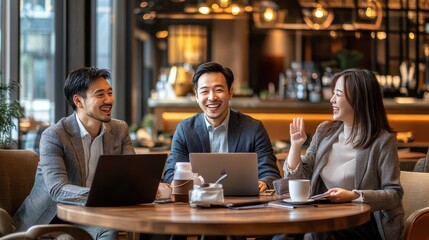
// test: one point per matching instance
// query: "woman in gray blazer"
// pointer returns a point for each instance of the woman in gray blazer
(354, 157)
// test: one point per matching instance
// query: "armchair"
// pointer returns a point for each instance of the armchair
(17, 172)
(416, 191)
(54, 231)
(416, 226)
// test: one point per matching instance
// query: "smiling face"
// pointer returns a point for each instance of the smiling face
(213, 96)
(96, 106)
(342, 109)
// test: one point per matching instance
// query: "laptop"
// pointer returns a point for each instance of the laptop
(241, 168)
(123, 180)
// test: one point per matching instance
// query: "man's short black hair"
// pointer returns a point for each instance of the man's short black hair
(213, 67)
(79, 80)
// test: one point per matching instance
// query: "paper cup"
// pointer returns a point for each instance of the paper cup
(183, 166)
(183, 175)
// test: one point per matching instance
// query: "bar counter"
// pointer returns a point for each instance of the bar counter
(405, 114)
(254, 104)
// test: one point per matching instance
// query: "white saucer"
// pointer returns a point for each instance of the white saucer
(288, 200)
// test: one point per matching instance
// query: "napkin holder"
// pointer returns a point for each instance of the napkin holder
(206, 195)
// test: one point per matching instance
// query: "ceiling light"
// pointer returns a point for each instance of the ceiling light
(267, 10)
(368, 15)
(370, 12)
(224, 3)
(367, 9)
(235, 9)
(319, 11)
(320, 16)
(269, 14)
(203, 8)
(216, 7)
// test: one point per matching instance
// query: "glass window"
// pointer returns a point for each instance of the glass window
(37, 52)
(2, 13)
(104, 31)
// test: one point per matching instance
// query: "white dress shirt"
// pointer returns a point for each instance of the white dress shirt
(92, 149)
(218, 136)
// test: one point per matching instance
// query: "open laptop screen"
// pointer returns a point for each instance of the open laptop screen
(121, 180)
(242, 170)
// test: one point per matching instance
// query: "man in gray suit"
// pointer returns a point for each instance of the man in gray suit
(69, 150)
(219, 128)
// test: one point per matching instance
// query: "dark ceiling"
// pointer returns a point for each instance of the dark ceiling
(165, 10)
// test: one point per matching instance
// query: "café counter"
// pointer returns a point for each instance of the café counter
(405, 114)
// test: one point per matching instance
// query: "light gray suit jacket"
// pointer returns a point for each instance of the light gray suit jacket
(61, 170)
(377, 175)
(245, 134)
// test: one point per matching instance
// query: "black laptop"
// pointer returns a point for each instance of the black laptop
(123, 180)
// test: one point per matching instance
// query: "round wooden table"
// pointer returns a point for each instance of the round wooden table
(179, 218)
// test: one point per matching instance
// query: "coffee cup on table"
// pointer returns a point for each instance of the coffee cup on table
(183, 181)
(299, 189)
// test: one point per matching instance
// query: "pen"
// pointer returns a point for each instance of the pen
(289, 206)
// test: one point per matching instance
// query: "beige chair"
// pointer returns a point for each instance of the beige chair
(17, 172)
(422, 164)
(416, 191)
(54, 231)
(417, 225)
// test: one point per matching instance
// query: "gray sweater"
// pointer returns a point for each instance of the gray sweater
(377, 175)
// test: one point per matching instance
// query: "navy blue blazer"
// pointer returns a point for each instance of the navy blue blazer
(245, 134)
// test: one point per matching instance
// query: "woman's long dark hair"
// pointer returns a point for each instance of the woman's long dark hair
(363, 92)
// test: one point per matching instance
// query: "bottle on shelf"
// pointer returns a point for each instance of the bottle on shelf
(314, 89)
(301, 86)
(326, 84)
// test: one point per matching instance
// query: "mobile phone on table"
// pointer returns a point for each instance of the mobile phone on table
(267, 192)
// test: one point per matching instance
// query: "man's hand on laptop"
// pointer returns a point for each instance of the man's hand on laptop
(262, 186)
(162, 185)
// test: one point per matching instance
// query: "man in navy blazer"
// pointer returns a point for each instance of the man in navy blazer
(219, 128)
(69, 150)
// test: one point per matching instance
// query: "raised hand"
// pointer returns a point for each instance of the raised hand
(297, 132)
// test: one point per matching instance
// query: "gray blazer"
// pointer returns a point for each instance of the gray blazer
(245, 134)
(377, 175)
(61, 170)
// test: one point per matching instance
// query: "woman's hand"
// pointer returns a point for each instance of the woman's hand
(297, 132)
(341, 195)
(297, 139)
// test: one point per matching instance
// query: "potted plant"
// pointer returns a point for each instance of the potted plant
(10, 110)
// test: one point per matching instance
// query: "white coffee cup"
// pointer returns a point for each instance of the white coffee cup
(299, 189)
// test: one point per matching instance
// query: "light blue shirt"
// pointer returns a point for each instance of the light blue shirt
(218, 135)
(92, 149)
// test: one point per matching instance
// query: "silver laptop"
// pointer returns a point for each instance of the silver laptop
(121, 180)
(242, 170)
